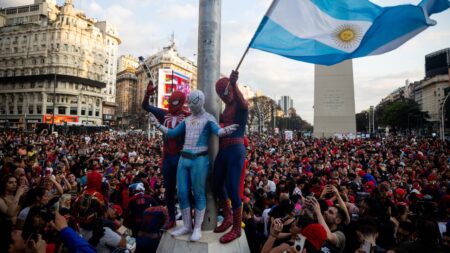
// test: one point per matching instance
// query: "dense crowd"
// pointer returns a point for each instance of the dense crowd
(103, 192)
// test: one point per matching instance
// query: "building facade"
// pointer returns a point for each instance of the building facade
(126, 97)
(166, 59)
(433, 96)
(286, 103)
(54, 60)
(127, 62)
(428, 93)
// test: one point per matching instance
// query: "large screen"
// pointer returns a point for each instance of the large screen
(169, 81)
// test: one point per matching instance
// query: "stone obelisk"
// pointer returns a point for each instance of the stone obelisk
(334, 100)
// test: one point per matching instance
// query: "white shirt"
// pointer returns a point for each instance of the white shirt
(110, 238)
(271, 184)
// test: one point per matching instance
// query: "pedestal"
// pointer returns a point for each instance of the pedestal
(208, 244)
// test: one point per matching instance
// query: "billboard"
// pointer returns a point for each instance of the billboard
(169, 81)
(59, 119)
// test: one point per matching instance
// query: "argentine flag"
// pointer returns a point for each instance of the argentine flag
(330, 31)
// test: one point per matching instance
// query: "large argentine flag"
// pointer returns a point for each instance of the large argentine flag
(330, 31)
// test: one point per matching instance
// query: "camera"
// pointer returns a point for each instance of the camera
(299, 243)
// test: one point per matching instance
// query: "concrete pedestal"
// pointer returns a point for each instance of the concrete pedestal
(334, 100)
(208, 244)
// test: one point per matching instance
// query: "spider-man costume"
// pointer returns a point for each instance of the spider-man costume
(172, 147)
(230, 159)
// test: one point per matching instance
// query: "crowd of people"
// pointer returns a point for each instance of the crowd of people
(104, 192)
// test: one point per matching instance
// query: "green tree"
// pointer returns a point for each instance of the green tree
(403, 115)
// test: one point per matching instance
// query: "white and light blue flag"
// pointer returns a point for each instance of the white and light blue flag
(330, 31)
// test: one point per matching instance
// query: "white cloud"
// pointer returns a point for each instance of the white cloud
(179, 12)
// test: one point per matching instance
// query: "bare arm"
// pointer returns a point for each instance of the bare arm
(341, 204)
(330, 236)
(275, 230)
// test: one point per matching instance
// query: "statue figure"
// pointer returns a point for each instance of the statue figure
(194, 161)
(229, 162)
(172, 147)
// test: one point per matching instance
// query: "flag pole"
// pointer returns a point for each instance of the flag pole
(248, 46)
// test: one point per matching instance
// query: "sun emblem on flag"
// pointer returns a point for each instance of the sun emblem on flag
(347, 36)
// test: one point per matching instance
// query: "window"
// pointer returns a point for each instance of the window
(73, 111)
(49, 110)
(38, 109)
(83, 111)
(34, 8)
(23, 9)
(11, 11)
(30, 109)
(97, 113)
(90, 113)
(61, 110)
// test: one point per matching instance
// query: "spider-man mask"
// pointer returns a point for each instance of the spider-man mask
(225, 90)
(176, 102)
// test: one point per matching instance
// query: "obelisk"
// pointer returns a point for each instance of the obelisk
(334, 100)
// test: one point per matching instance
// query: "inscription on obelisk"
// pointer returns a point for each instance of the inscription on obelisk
(334, 100)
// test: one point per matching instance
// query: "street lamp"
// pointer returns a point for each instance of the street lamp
(443, 119)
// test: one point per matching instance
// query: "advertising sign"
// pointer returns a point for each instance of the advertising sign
(59, 119)
(169, 81)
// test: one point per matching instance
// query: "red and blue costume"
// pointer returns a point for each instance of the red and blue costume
(230, 159)
(172, 147)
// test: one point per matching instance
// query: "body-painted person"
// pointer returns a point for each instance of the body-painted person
(172, 147)
(194, 161)
(229, 162)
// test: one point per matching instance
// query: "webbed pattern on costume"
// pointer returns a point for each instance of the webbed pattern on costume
(173, 145)
(199, 129)
(233, 114)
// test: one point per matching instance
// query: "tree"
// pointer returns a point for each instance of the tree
(293, 122)
(261, 112)
(403, 115)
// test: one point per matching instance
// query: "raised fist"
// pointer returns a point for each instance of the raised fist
(151, 88)
(234, 77)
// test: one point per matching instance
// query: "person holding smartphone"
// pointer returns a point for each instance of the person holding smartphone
(307, 240)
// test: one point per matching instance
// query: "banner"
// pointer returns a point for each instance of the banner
(59, 119)
(169, 81)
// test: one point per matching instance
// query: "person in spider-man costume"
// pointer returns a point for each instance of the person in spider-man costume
(230, 159)
(172, 147)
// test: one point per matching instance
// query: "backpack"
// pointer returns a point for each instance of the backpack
(154, 219)
(89, 207)
(136, 208)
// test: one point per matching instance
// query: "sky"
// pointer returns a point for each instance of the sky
(145, 26)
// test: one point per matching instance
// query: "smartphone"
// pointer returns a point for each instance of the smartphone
(131, 244)
(299, 243)
(285, 218)
(366, 246)
(122, 230)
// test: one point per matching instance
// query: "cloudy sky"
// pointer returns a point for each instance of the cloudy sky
(146, 26)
